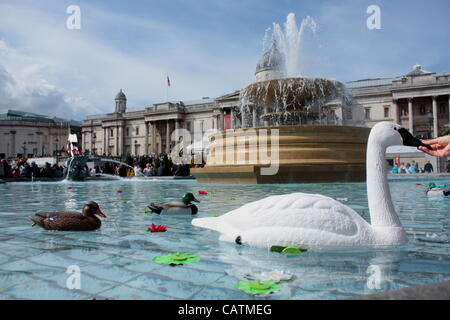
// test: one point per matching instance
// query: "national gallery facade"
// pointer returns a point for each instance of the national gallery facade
(419, 100)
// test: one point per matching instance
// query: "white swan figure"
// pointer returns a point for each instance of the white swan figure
(313, 221)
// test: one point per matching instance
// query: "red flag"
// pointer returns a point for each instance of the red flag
(168, 81)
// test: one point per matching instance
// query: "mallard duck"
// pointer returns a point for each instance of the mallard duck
(70, 221)
(185, 206)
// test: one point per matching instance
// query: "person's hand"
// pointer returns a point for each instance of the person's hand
(440, 146)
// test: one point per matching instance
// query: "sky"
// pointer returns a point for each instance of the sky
(206, 47)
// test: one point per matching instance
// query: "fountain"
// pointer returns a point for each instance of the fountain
(289, 107)
(76, 169)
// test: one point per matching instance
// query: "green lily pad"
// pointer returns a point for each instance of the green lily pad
(231, 198)
(291, 250)
(258, 287)
(123, 202)
(176, 258)
(215, 215)
(287, 250)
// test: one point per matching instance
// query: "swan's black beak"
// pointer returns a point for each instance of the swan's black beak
(410, 140)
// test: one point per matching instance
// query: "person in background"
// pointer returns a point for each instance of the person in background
(34, 169)
(137, 170)
(26, 171)
(148, 170)
(395, 169)
(402, 168)
(407, 167)
(413, 169)
(93, 172)
(2, 170)
(428, 168)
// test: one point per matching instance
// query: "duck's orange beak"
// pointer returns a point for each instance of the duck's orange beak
(100, 213)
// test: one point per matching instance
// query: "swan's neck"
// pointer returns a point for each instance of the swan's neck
(382, 212)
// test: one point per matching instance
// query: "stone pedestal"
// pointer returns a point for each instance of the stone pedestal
(299, 154)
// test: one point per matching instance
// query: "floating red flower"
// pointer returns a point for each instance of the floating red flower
(69, 188)
(202, 192)
(119, 191)
(154, 228)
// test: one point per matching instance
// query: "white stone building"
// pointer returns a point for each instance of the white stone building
(25, 134)
(419, 101)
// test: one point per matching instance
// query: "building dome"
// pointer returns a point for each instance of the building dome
(121, 95)
(270, 65)
(271, 60)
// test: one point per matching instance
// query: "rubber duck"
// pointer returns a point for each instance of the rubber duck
(185, 206)
(70, 221)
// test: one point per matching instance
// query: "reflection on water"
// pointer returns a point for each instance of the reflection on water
(116, 261)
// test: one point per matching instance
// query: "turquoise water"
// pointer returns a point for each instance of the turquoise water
(116, 261)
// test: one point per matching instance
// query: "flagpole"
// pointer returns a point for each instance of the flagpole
(167, 89)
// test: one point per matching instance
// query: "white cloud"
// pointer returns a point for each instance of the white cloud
(81, 67)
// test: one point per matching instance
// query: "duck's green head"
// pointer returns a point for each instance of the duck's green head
(188, 198)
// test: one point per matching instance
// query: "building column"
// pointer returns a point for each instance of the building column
(232, 118)
(106, 141)
(221, 120)
(145, 137)
(91, 140)
(116, 140)
(411, 116)
(435, 118)
(396, 111)
(154, 150)
(254, 117)
(120, 146)
(167, 136)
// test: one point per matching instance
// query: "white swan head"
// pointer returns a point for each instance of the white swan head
(391, 134)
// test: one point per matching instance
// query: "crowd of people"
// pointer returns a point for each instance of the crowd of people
(143, 166)
(413, 168)
(21, 168)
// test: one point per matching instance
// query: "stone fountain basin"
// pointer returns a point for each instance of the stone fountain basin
(305, 153)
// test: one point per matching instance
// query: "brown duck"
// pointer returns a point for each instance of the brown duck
(70, 221)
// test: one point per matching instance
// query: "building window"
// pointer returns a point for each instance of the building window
(442, 108)
(367, 113)
(422, 110)
(137, 131)
(94, 135)
(349, 114)
(112, 133)
(386, 112)
(127, 131)
(404, 110)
